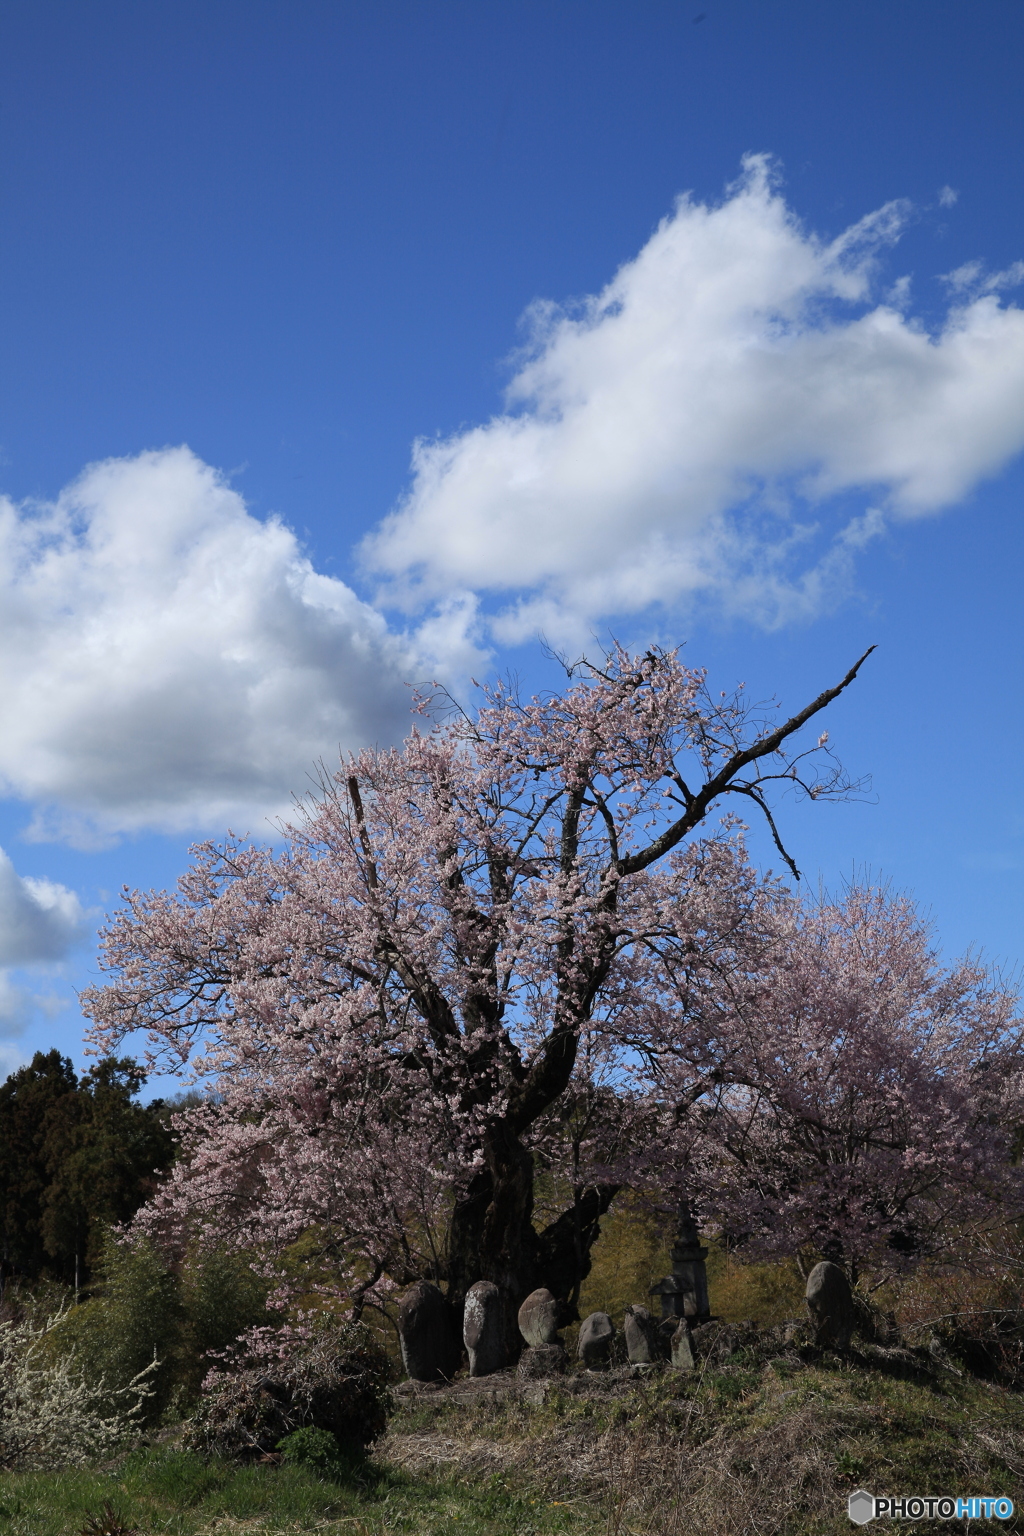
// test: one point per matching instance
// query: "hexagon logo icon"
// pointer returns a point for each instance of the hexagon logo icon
(860, 1506)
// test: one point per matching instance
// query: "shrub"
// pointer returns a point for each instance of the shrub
(314, 1448)
(144, 1307)
(327, 1374)
(221, 1296)
(51, 1415)
(116, 1334)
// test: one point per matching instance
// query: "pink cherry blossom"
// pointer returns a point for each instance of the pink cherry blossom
(500, 948)
(872, 1097)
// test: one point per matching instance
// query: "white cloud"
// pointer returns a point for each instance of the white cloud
(972, 278)
(947, 196)
(169, 661)
(659, 436)
(15, 1012)
(39, 920)
(11, 1056)
(40, 923)
(21, 1006)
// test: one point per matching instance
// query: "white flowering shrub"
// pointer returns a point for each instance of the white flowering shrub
(51, 1415)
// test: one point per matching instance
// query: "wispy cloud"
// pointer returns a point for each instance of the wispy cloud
(972, 278)
(11, 1056)
(676, 435)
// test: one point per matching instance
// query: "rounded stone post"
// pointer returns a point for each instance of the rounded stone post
(482, 1322)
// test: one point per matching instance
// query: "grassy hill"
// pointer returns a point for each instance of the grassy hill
(769, 1438)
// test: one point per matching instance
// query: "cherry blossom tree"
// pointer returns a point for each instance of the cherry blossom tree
(872, 1098)
(472, 959)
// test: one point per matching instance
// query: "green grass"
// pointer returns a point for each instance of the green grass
(176, 1493)
(770, 1440)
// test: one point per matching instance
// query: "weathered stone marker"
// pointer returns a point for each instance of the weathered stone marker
(663, 1332)
(641, 1336)
(682, 1348)
(482, 1324)
(430, 1350)
(830, 1304)
(539, 1317)
(595, 1341)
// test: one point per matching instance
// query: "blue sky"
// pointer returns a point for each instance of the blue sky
(253, 253)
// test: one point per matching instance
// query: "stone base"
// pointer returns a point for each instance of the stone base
(540, 1361)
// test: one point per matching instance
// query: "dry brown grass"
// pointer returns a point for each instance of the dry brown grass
(766, 1443)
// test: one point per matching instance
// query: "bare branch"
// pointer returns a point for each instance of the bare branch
(705, 798)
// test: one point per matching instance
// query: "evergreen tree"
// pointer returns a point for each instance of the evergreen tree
(76, 1155)
(27, 1099)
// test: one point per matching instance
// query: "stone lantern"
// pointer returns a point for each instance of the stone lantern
(684, 1293)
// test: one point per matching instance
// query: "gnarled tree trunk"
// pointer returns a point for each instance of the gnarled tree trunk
(492, 1236)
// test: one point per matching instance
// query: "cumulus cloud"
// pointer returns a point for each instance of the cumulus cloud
(40, 923)
(169, 661)
(683, 431)
(17, 1009)
(39, 920)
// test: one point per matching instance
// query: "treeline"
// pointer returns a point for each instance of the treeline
(77, 1155)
